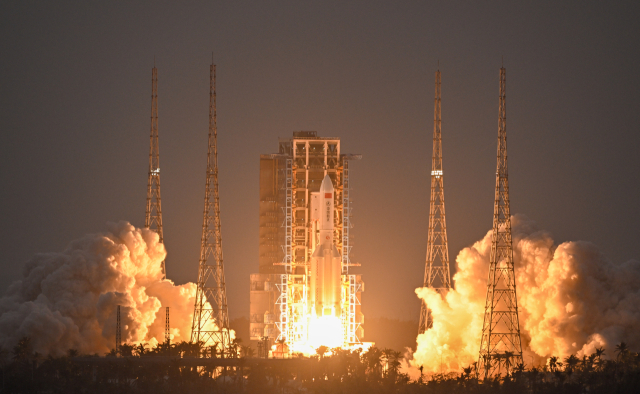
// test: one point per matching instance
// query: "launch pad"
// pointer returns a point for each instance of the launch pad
(304, 295)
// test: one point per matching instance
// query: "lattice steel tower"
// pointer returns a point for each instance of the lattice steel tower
(210, 315)
(500, 349)
(153, 217)
(436, 272)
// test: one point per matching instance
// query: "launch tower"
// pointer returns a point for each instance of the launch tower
(153, 217)
(500, 348)
(280, 299)
(436, 273)
(210, 315)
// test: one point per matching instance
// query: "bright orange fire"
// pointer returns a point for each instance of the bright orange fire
(326, 331)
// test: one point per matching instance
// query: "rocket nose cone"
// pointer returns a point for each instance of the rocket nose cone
(327, 185)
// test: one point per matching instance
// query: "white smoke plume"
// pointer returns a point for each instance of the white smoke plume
(68, 300)
(571, 300)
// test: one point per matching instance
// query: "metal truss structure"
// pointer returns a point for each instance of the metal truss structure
(436, 273)
(210, 315)
(153, 217)
(167, 327)
(346, 217)
(292, 302)
(283, 286)
(350, 286)
(351, 302)
(118, 331)
(501, 349)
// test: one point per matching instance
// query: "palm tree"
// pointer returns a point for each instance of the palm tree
(387, 354)
(571, 362)
(235, 345)
(466, 373)
(507, 361)
(553, 363)
(393, 365)
(246, 351)
(622, 350)
(598, 357)
(372, 359)
(533, 377)
(320, 351)
(126, 350)
(141, 349)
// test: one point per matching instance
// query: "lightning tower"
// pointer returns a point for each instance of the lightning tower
(210, 316)
(153, 217)
(167, 327)
(436, 273)
(500, 348)
(118, 331)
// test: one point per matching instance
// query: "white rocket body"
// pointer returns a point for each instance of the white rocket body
(326, 263)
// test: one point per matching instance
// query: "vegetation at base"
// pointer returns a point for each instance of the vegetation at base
(335, 371)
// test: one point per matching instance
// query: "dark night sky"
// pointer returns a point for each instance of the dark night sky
(75, 107)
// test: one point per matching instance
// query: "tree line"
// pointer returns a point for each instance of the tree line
(143, 369)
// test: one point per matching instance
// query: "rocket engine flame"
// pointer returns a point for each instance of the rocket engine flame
(571, 300)
(68, 300)
(326, 331)
(322, 320)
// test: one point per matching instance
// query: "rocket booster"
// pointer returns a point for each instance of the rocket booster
(326, 262)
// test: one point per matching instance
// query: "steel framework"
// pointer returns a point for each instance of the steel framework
(118, 331)
(167, 327)
(352, 301)
(153, 217)
(283, 287)
(346, 217)
(350, 287)
(500, 348)
(436, 272)
(210, 315)
(307, 155)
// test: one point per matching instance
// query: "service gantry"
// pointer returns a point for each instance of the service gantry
(436, 272)
(153, 217)
(279, 297)
(210, 315)
(501, 349)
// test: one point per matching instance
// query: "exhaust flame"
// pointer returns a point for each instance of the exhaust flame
(571, 300)
(326, 331)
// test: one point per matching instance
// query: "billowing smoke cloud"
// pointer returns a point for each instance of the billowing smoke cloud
(68, 300)
(571, 300)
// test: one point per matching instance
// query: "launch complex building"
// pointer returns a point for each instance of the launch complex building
(281, 300)
(303, 295)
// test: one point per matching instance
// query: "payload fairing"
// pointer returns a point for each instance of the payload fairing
(325, 284)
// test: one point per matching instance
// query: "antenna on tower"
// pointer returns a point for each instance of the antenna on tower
(500, 348)
(210, 315)
(436, 273)
(153, 217)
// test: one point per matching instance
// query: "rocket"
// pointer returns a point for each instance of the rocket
(326, 262)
